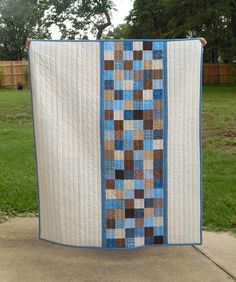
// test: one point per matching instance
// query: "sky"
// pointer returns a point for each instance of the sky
(123, 7)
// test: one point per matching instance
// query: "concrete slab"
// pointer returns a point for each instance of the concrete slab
(24, 258)
(221, 247)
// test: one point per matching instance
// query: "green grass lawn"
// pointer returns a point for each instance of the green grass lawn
(18, 191)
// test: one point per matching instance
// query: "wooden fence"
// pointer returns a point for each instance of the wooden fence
(15, 73)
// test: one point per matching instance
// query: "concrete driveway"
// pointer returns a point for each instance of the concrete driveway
(25, 258)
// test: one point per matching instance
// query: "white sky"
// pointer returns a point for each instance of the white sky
(123, 7)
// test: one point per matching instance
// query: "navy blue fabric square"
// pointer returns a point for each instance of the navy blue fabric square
(109, 84)
(147, 74)
(119, 145)
(129, 174)
(111, 243)
(158, 134)
(148, 203)
(149, 240)
(128, 115)
(118, 94)
(139, 213)
(157, 54)
(129, 233)
(157, 93)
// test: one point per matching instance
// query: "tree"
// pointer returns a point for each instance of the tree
(80, 17)
(19, 19)
(122, 31)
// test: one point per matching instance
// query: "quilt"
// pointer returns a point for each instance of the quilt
(117, 127)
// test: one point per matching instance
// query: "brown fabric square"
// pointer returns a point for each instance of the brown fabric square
(158, 155)
(128, 65)
(118, 124)
(119, 174)
(158, 239)
(138, 75)
(158, 203)
(129, 213)
(110, 214)
(148, 124)
(110, 184)
(120, 243)
(109, 114)
(138, 94)
(109, 145)
(147, 84)
(129, 165)
(119, 213)
(129, 155)
(118, 46)
(138, 144)
(109, 65)
(148, 114)
(119, 134)
(138, 174)
(139, 222)
(148, 231)
(118, 55)
(138, 114)
(129, 204)
(138, 55)
(109, 154)
(147, 45)
(157, 74)
(139, 194)
(111, 224)
(158, 172)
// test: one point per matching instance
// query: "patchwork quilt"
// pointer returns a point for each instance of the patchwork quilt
(118, 141)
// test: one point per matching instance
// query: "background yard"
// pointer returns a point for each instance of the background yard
(18, 192)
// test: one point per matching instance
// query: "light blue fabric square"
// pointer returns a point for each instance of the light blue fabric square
(138, 124)
(159, 193)
(128, 55)
(108, 135)
(120, 223)
(130, 223)
(138, 105)
(138, 84)
(109, 75)
(128, 135)
(147, 55)
(148, 221)
(119, 65)
(148, 144)
(149, 193)
(139, 183)
(128, 94)
(128, 75)
(119, 184)
(157, 45)
(147, 104)
(138, 155)
(137, 65)
(110, 233)
(148, 174)
(157, 83)
(158, 231)
(119, 164)
(118, 84)
(118, 104)
(109, 125)
(108, 105)
(129, 194)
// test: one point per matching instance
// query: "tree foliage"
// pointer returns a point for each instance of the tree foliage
(80, 17)
(19, 19)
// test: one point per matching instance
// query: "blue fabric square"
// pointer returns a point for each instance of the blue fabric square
(128, 75)
(108, 135)
(138, 155)
(138, 124)
(148, 203)
(139, 213)
(109, 75)
(147, 74)
(128, 55)
(158, 183)
(157, 45)
(109, 46)
(128, 94)
(110, 233)
(129, 242)
(129, 194)
(138, 84)
(128, 45)
(108, 105)
(148, 173)
(158, 164)
(139, 232)
(138, 164)
(149, 193)
(157, 54)
(109, 125)
(120, 223)
(128, 114)
(158, 212)
(158, 231)
(148, 135)
(139, 183)
(138, 104)
(128, 134)
(129, 222)
(119, 65)
(109, 173)
(147, 55)
(109, 164)
(111, 243)
(137, 65)
(148, 221)
(118, 84)
(129, 233)
(119, 184)
(109, 84)
(149, 240)
(119, 164)
(157, 83)
(157, 93)
(118, 104)
(159, 193)
(118, 95)
(157, 114)
(148, 144)
(128, 145)
(119, 145)
(147, 104)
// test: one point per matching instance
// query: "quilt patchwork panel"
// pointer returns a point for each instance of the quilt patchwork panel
(133, 89)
